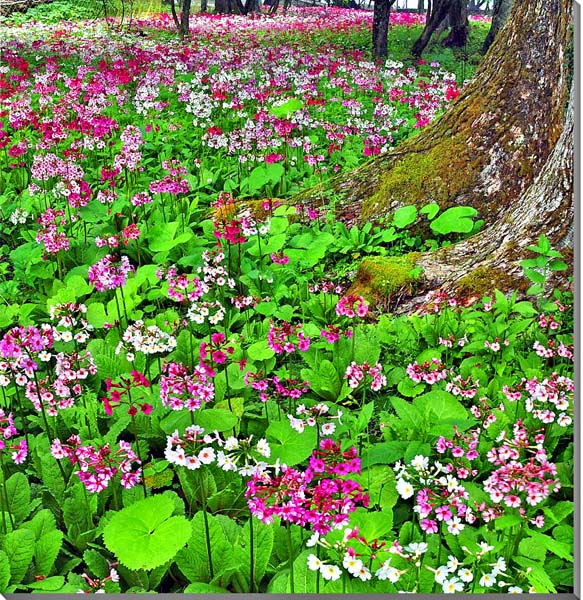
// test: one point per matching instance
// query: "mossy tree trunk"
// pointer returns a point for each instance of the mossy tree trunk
(497, 149)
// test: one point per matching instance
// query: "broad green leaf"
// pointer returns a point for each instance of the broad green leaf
(19, 547)
(46, 550)
(260, 351)
(193, 560)
(288, 445)
(145, 535)
(287, 108)
(4, 571)
(215, 419)
(304, 580)
(199, 587)
(404, 216)
(386, 453)
(18, 492)
(457, 219)
(430, 210)
(262, 546)
(50, 584)
(561, 549)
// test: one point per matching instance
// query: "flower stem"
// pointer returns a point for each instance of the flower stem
(207, 534)
(251, 556)
(5, 494)
(291, 558)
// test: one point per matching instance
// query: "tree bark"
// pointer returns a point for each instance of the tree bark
(499, 16)
(460, 27)
(184, 18)
(504, 148)
(204, 6)
(380, 28)
(439, 11)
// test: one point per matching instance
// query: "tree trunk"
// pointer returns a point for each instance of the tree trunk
(184, 18)
(460, 27)
(380, 28)
(504, 148)
(501, 11)
(421, 6)
(439, 11)
(204, 6)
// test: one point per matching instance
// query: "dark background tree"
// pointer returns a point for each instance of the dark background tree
(505, 148)
(458, 21)
(499, 15)
(437, 12)
(380, 28)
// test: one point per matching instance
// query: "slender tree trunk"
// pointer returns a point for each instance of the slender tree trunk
(505, 148)
(439, 11)
(184, 18)
(460, 27)
(204, 6)
(421, 6)
(501, 11)
(174, 15)
(380, 28)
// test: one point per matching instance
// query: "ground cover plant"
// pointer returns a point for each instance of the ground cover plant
(199, 393)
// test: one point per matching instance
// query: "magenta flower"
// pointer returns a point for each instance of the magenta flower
(110, 273)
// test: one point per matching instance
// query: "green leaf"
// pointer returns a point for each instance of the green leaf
(531, 549)
(386, 453)
(260, 351)
(404, 216)
(304, 579)
(430, 210)
(558, 265)
(287, 108)
(536, 575)
(372, 525)
(193, 560)
(560, 549)
(18, 492)
(145, 535)
(288, 445)
(457, 219)
(4, 571)
(263, 546)
(46, 550)
(409, 414)
(215, 419)
(96, 563)
(198, 587)
(50, 584)
(19, 547)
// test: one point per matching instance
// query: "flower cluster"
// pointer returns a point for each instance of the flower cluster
(435, 301)
(7, 431)
(181, 287)
(146, 339)
(215, 352)
(212, 311)
(466, 388)
(315, 416)
(71, 322)
(524, 473)
(332, 334)
(180, 388)
(440, 496)
(463, 449)
(110, 272)
(121, 393)
(97, 466)
(324, 505)
(355, 374)
(430, 371)
(352, 306)
(287, 338)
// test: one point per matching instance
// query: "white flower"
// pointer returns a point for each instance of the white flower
(263, 448)
(313, 541)
(352, 564)
(206, 456)
(225, 462)
(388, 572)
(314, 563)
(450, 586)
(465, 575)
(420, 463)
(454, 526)
(441, 574)
(405, 489)
(487, 580)
(514, 589)
(417, 548)
(231, 443)
(330, 572)
(452, 563)
(192, 463)
(363, 574)
(328, 428)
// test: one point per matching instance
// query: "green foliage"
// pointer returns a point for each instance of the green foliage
(145, 535)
